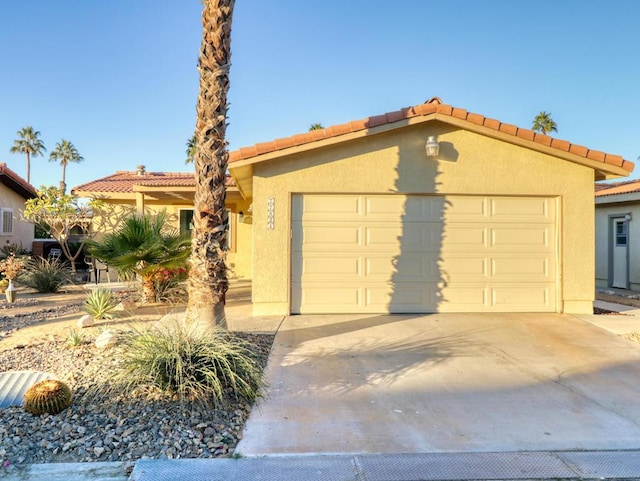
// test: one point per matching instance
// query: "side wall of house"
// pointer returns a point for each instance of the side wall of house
(604, 214)
(23, 232)
(395, 162)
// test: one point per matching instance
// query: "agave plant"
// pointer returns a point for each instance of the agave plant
(100, 303)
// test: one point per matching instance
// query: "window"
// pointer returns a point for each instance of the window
(6, 221)
(186, 221)
(186, 225)
(621, 234)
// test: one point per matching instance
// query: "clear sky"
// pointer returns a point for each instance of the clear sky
(118, 78)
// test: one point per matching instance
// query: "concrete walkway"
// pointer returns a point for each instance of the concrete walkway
(446, 383)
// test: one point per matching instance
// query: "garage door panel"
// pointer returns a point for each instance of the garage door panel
(315, 236)
(515, 209)
(530, 298)
(522, 237)
(408, 238)
(327, 207)
(395, 253)
(529, 268)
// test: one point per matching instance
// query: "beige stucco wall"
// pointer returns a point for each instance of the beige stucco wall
(23, 232)
(602, 235)
(395, 162)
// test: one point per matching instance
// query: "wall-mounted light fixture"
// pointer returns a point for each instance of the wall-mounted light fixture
(432, 146)
(628, 217)
(241, 216)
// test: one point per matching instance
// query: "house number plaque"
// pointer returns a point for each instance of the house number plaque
(271, 213)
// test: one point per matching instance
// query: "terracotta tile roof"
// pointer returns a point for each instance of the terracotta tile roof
(124, 181)
(433, 107)
(16, 183)
(616, 188)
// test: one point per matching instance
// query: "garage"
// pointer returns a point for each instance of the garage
(430, 208)
(354, 253)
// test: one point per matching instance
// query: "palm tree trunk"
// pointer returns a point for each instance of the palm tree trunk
(28, 168)
(208, 282)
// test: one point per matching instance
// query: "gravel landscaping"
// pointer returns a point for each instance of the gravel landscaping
(114, 429)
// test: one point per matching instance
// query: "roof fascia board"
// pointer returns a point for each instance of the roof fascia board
(618, 198)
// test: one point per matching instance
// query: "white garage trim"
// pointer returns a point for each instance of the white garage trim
(423, 253)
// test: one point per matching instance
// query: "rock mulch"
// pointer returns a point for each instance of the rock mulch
(12, 321)
(116, 429)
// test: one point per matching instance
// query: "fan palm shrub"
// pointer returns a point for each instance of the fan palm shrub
(143, 245)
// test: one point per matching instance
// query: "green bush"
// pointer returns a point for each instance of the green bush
(46, 275)
(208, 367)
(100, 303)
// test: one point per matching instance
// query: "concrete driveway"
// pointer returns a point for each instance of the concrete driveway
(446, 382)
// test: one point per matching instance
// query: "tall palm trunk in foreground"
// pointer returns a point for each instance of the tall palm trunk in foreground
(208, 282)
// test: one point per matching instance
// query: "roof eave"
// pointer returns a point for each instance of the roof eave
(602, 170)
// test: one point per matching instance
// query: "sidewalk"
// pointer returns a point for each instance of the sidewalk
(370, 467)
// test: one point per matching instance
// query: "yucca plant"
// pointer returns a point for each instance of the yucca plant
(203, 367)
(46, 275)
(100, 303)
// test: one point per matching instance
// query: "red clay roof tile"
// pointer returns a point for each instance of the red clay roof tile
(560, 144)
(596, 155)
(432, 106)
(526, 134)
(124, 182)
(509, 129)
(616, 188)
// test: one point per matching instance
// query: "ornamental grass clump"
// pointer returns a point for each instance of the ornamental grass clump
(46, 275)
(209, 368)
(100, 303)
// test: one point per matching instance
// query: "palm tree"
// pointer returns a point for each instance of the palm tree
(65, 152)
(143, 246)
(191, 149)
(208, 281)
(28, 143)
(543, 123)
(316, 126)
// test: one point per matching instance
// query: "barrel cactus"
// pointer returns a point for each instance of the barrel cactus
(49, 396)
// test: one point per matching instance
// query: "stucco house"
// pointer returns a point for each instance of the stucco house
(144, 191)
(14, 191)
(361, 218)
(617, 247)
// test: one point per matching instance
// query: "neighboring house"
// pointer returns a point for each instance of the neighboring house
(14, 191)
(617, 235)
(357, 218)
(144, 191)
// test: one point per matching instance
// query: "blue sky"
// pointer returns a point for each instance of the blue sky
(118, 78)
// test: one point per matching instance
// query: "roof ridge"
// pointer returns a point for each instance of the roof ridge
(431, 108)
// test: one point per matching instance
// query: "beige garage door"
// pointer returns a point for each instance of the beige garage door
(402, 254)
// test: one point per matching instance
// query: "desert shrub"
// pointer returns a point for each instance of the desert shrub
(100, 303)
(50, 396)
(75, 338)
(46, 275)
(209, 368)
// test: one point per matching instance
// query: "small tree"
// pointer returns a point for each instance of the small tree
(58, 214)
(316, 126)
